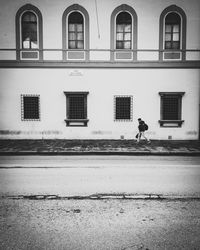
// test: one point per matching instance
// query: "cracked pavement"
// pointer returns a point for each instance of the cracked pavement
(99, 203)
(99, 224)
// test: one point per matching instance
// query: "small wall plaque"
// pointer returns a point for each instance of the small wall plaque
(76, 72)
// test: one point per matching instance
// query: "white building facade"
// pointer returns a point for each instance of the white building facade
(89, 69)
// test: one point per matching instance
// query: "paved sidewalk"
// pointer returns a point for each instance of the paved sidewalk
(78, 147)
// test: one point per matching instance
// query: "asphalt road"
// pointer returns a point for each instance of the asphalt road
(99, 224)
(102, 224)
(86, 175)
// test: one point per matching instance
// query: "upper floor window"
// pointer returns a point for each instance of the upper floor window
(29, 29)
(172, 40)
(29, 43)
(123, 33)
(75, 31)
(172, 31)
(75, 23)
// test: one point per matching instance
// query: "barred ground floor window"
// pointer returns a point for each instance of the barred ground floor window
(123, 108)
(77, 115)
(171, 109)
(30, 107)
(76, 108)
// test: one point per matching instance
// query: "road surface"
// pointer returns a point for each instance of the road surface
(99, 224)
(87, 175)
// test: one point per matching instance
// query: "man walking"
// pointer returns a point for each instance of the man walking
(142, 128)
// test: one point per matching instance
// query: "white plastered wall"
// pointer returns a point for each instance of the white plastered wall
(102, 84)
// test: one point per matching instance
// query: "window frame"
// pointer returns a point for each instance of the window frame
(84, 13)
(134, 38)
(18, 28)
(67, 32)
(76, 122)
(131, 33)
(171, 122)
(131, 108)
(172, 33)
(174, 54)
(22, 107)
(21, 40)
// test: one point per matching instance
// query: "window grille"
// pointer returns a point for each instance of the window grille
(171, 109)
(76, 114)
(76, 107)
(30, 107)
(123, 108)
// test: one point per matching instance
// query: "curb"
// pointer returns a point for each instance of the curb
(128, 153)
(157, 197)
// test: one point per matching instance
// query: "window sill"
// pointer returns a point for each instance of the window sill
(170, 123)
(76, 122)
(123, 120)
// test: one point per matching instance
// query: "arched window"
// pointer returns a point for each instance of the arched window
(172, 31)
(123, 33)
(75, 31)
(172, 43)
(29, 30)
(29, 43)
(75, 23)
